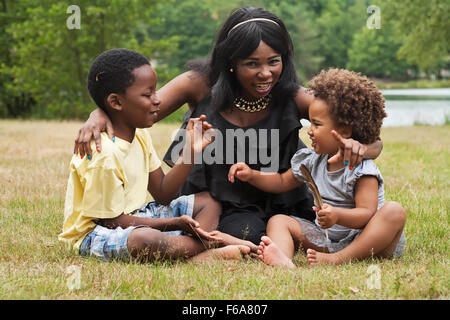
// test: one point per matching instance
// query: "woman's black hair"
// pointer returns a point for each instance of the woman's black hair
(112, 72)
(239, 44)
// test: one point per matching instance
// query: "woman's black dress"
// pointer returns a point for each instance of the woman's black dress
(246, 209)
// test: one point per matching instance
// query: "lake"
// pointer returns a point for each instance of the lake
(408, 107)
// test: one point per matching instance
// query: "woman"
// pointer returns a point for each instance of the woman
(250, 84)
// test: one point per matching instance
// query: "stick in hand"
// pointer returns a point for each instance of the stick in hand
(314, 190)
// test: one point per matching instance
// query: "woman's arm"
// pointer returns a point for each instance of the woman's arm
(189, 87)
(303, 99)
(267, 182)
(353, 152)
(366, 202)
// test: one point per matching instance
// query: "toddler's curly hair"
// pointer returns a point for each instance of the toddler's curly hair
(354, 101)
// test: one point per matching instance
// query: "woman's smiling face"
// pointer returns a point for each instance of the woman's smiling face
(258, 73)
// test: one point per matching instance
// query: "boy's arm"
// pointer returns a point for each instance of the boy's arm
(164, 187)
(267, 182)
(126, 220)
(366, 202)
(185, 223)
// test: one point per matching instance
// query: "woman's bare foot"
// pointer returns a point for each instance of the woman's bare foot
(272, 255)
(228, 239)
(315, 258)
(231, 252)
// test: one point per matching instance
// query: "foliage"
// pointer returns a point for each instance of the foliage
(338, 22)
(423, 27)
(51, 62)
(43, 64)
(374, 52)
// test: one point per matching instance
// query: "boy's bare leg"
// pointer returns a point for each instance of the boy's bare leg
(207, 211)
(230, 252)
(148, 244)
(379, 238)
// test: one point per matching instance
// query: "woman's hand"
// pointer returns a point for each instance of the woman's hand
(350, 150)
(327, 216)
(241, 171)
(98, 121)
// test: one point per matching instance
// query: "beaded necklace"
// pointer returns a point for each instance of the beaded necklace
(252, 106)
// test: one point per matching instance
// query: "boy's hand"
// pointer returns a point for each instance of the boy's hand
(189, 225)
(241, 171)
(327, 216)
(199, 133)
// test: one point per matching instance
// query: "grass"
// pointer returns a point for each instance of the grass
(33, 265)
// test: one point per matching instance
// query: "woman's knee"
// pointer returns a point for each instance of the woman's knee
(393, 212)
(204, 198)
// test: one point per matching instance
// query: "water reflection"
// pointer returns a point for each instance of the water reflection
(407, 107)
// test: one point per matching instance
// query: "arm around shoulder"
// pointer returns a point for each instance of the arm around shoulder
(303, 99)
(189, 87)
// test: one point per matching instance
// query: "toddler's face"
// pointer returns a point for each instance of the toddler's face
(140, 100)
(323, 141)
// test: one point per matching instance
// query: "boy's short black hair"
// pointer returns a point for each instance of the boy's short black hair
(111, 72)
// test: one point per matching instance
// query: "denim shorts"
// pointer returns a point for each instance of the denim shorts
(111, 244)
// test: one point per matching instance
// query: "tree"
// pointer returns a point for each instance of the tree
(13, 102)
(374, 53)
(51, 61)
(423, 26)
(338, 22)
(193, 24)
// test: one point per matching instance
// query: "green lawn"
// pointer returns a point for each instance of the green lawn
(33, 265)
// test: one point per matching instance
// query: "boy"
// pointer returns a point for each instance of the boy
(107, 210)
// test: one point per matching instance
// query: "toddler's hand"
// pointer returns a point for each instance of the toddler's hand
(327, 217)
(241, 171)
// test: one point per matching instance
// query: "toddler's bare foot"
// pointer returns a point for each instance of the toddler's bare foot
(315, 258)
(272, 255)
(231, 252)
(228, 239)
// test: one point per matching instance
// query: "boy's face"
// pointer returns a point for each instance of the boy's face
(140, 103)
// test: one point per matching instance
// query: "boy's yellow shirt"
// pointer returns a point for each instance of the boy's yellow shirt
(113, 182)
